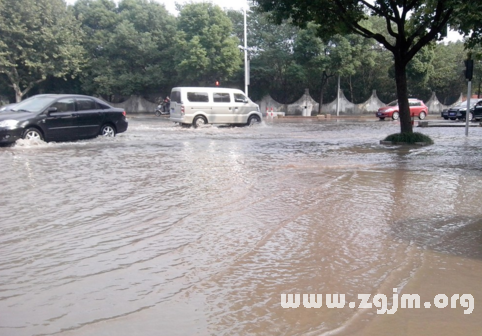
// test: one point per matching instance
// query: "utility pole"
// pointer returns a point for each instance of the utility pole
(246, 65)
(469, 70)
(338, 97)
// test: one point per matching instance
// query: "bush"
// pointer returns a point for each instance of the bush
(409, 138)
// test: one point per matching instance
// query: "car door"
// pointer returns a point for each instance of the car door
(89, 117)
(241, 108)
(415, 108)
(478, 110)
(61, 121)
(222, 110)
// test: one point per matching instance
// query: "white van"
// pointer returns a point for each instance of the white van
(212, 105)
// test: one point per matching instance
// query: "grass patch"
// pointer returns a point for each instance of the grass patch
(409, 138)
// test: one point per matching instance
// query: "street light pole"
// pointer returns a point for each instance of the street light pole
(246, 69)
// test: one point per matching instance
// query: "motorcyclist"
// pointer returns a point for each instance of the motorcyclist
(166, 104)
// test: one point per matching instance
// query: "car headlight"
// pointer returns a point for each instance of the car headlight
(10, 124)
(463, 109)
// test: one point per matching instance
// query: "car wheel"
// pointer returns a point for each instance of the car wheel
(422, 115)
(382, 118)
(453, 118)
(446, 118)
(199, 121)
(32, 134)
(107, 131)
(254, 119)
(471, 116)
(395, 116)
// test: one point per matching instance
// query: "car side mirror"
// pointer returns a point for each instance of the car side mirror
(52, 109)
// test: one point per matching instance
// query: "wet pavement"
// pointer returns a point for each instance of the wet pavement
(174, 231)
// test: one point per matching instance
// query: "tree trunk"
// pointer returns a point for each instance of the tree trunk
(324, 79)
(351, 91)
(18, 93)
(321, 99)
(402, 93)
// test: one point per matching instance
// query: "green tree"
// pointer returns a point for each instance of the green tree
(314, 57)
(206, 50)
(410, 24)
(467, 21)
(273, 69)
(129, 46)
(339, 56)
(39, 38)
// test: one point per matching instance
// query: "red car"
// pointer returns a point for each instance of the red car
(417, 109)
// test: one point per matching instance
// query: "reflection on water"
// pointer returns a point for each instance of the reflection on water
(199, 231)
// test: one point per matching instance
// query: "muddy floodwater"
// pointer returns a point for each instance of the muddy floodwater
(174, 231)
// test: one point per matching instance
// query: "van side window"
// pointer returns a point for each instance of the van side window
(198, 97)
(176, 97)
(239, 98)
(221, 97)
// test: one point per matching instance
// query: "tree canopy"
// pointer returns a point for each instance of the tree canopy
(39, 38)
(206, 50)
(409, 26)
(128, 46)
(119, 48)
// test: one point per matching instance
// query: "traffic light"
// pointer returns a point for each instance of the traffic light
(469, 69)
(217, 83)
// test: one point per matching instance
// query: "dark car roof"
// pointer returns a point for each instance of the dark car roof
(71, 95)
(62, 95)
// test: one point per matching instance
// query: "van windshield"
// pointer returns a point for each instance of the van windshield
(240, 98)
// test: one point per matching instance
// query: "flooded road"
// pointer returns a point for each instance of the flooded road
(173, 231)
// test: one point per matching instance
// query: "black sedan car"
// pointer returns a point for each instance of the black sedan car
(61, 117)
(458, 111)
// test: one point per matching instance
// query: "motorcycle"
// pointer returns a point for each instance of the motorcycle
(161, 110)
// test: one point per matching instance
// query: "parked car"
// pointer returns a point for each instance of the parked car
(417, 109)
(197, 106)
(61, 117)
(459, 111)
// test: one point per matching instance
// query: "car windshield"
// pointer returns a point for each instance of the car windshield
(393, 103)
(33, 104)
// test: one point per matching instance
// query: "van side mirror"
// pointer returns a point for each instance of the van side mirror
(245, 101)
